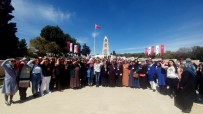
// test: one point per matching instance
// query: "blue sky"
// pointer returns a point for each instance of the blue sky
(130, 25)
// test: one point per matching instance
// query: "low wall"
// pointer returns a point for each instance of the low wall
(1, 69)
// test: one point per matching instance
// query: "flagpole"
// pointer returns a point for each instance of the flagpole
(94, 39)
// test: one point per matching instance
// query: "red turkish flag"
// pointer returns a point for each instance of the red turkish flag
(152, 50)
(146, 51)
(97, 26)
(162, 49)
(68, 46)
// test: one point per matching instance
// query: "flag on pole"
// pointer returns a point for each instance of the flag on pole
(152, 50)
(146, 51)
(162, 49)
(71, 47)
(97, 26)
(75, 48)
(68, 46)
(149, 50)
(157, 49)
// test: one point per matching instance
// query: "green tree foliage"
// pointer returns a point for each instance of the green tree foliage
(38, 46)
(55, 34)
(197, 53)
(113, 53)
(85, 50)
(22, 48)
(52, 42)
(8, 39)
(52, 48)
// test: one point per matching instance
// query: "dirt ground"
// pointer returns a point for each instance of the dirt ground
(93, 100)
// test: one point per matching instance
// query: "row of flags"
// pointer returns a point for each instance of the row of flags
(72, 48)
(157, 50)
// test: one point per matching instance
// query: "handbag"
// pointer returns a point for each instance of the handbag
(24, 83)
(135, 75)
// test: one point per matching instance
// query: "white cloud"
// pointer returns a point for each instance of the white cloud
(131, 49)
(82, 40)
(26, 9)
(95, 34)
(31, 16)
(174, 45)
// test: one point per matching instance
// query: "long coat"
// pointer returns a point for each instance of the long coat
(186, 94)
(151, 72)
(75, 78)
(9, 84)
(112, 75)
(125, 74)
(161, 75)
(133, 82)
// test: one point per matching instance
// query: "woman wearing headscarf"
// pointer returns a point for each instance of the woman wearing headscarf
(59, 73)
(104, 75)
(112, 74)
(200, 81)
(9, 85)
(187, 89)
(151, 74)
(75, 75)
(143, 75)
(119, 73)
(125, 77)
(133, 81)
(161, 76)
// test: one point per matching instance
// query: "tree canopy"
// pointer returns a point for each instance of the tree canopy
(86, 50)
(195, 52)
(53, 41)
(8, 39)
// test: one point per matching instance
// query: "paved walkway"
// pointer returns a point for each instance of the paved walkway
(92, 100)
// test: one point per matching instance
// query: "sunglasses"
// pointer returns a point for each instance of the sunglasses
(13, 61)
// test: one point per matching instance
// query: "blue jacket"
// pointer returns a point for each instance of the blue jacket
(151, 72)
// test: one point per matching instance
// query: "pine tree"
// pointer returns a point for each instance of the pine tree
(8, 39)
(86, 50)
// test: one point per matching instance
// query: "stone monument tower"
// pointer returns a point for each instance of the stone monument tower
(105, 49)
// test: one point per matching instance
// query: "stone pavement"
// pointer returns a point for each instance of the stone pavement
(93, 100)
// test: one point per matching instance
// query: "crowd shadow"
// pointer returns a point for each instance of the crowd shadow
(29, 98)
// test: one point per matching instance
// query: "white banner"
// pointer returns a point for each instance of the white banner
(75, 48)
(157, 50)
(71, 47)
(149, 50)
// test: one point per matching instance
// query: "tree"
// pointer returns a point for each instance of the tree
(42, 47)
(52, 48)
(38, 46)
(197, 53)
(8, 39)
(22, 48)
(55, 34)
(85, 50)
(114, 53)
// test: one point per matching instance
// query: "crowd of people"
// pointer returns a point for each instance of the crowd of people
(181, 81)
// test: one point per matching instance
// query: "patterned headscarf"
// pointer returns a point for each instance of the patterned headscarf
(190, 67)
